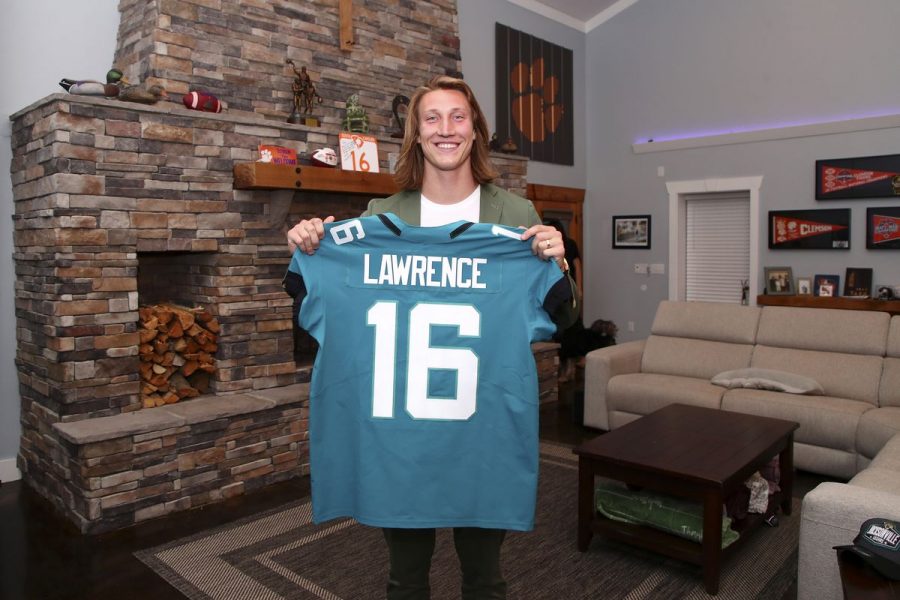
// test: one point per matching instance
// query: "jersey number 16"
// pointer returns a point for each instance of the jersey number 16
(422, 357)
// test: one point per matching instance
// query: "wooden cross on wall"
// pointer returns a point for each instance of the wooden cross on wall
(346, 12)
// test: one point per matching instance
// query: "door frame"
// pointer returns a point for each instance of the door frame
(678, 225)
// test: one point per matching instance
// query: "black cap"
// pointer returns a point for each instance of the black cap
(878, 544)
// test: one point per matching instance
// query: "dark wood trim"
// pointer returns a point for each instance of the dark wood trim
(888, 306)
(567, 200)
(266, 176)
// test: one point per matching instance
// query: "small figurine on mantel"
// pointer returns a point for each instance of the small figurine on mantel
(356, 120)
(509, 146)
(89, 87)
(305, 97)
(142, 95)
(400, 108)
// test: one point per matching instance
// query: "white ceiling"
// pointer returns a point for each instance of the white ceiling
(583, 15)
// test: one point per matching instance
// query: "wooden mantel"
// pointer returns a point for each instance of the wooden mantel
(266, 176)
(888, 306)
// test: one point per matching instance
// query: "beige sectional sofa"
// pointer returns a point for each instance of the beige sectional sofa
(850, 432)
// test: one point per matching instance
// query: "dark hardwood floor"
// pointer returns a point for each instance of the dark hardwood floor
(42, 557)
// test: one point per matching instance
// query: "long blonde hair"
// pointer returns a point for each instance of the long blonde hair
(411, 163)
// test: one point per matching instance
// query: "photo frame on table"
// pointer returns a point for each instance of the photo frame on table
(883, 228)
(631, 231)
(820, 229)
(826, 285)
(804, 286)
(858, 282)
(861, 177)
(779, 281)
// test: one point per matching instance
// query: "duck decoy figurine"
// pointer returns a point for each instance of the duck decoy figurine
(89, 87)
(136, 93)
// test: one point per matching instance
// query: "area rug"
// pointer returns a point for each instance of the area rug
(280, 554)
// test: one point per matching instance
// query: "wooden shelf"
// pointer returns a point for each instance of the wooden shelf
(844, 303)
(266, 176)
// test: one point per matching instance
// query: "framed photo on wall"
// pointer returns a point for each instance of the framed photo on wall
(631, 231)
(779, 281)
(804, 286)
(883, 228)
(826, 285)
(822, 229)
(862, 177)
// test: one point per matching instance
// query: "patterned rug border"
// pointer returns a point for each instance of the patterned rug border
(560, 455)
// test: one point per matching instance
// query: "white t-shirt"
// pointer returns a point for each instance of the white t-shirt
(435, 215)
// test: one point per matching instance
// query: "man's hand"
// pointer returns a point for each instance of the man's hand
(546, 242)
(306, 234)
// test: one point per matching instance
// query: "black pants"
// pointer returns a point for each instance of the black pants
(479, 559)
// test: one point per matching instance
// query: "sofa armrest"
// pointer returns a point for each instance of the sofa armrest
(600, 366)
(832, 514)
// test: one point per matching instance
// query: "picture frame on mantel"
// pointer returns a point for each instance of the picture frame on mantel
(779, 281)
(858, 282)
(826, 286)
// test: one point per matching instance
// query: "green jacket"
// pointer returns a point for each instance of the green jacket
(497, 206)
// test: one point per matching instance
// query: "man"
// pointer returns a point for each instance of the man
(445, 173)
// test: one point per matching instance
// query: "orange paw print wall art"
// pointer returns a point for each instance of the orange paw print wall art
(536, 110)
(534, 96)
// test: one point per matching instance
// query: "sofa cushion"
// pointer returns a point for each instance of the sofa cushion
(889, 390)
(832, 330)
(768, 379)
(714, 321)
(877, 478)
(852, 376)
(889, 456)
(876, 427)
(824, 420)
(643, 393)
(693, 358)
(893, 343)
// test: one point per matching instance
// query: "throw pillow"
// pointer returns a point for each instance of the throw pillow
(768, 379)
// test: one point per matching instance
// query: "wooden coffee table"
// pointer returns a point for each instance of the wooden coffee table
(698, 453)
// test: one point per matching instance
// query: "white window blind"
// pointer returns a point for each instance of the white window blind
(717, 248)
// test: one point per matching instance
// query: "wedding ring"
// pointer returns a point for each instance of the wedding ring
(548, 244)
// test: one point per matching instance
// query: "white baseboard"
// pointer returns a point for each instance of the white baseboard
(9, 471)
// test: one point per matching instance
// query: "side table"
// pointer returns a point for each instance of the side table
(862, 582)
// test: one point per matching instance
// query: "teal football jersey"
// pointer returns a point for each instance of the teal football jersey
(424, 394)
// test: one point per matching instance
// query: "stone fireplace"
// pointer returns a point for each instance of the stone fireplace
(120, 205)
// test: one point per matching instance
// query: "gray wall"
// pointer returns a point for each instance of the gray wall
(477, 19)
(41, 41)
(664, 69)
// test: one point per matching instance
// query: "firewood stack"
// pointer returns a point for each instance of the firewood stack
(176, 351)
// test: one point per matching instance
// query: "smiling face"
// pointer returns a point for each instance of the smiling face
(446, 132)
